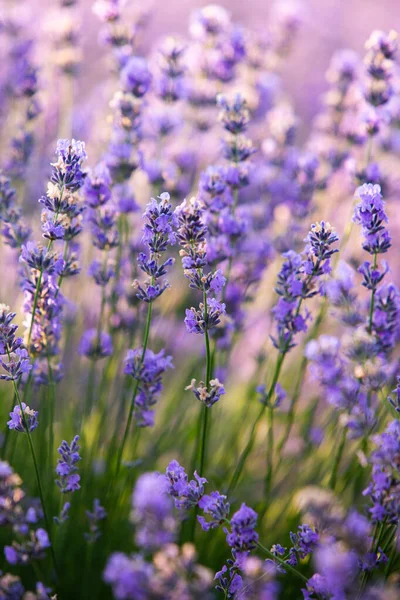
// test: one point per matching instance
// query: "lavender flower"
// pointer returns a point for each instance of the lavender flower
(370, 214)
(157, 234)
(94, 345)
(153, 512)
(296, 283)
(94, 517)
(17, 362)
(210, 395)
(243, 536)
(217, 507)
(147, 370)
(66, 467)
(186, 493)
(17, 421)
(384, 488)
(30, 549)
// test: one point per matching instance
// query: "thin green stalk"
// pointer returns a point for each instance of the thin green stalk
(203, 453)
(372, 303)
(52, 402)
(283, 564)
(39, 483)
(132, 405)
(39, 281)
(270, 451)
(7, 433)
(249, 446)
(61, 277)
(338, 458)
(391, 560)
(375, 545)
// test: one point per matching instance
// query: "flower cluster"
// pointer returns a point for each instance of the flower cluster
(61, 215)
(123, 156)
(186, 493)
(191, 236)
(379, 60)
(296, 283)
(157, 235)
(384, 489)
(67, 466)
(13, 227)
(147, 369)
(16, 361)
(94, 517)
(152, 512)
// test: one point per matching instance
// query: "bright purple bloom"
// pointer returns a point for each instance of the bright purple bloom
(17, 421)
(215, 505)
(186, 493)
(243, 536)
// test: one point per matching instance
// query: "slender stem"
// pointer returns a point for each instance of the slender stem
(270, 452)
(284, 564)
(249, 446)
(51, 410)
(203, 453)
(391, 560)
(7, 433)
(39, 483)
(132, 404)
(34, 307)
(372, 303)
(374, 547)
(338, 458)
(61, 277)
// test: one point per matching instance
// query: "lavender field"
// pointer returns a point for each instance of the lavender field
(199, 302)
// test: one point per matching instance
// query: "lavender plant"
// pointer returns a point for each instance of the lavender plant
(228, 429)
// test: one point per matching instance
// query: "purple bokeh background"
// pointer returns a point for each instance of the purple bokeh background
(327, 25)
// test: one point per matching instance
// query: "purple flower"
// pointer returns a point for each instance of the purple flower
(66, 467)
(136, 77)
(384, 489)
(202, 319)
(94, 517)
(94, 345)
(208, 395)
(243, 536)
(153, 512)
(186, 493)
(29, 420)
(370, 214)
(97, 186)
(130, 577)
(215, 505)
(147, 370)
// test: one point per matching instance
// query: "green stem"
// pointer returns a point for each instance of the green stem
(132, 404)
(39, 483)
(284, 564)
(203, 453)
(372, 303)
(270, 451)
(338, 458)
(249, 446)
(52, 402)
